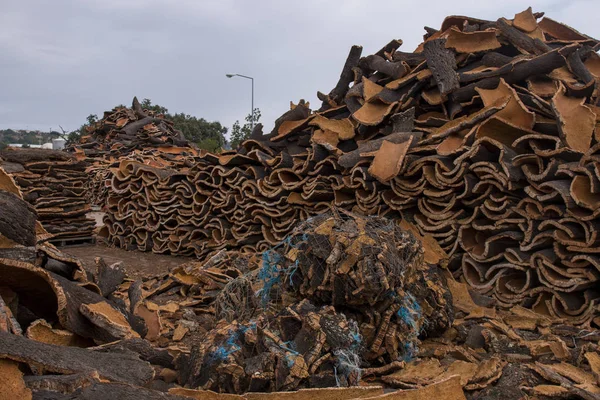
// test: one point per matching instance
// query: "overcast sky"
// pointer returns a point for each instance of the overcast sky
(61, 60)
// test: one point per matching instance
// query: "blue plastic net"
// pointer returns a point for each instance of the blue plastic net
(348, 360)
(272, 271)
(269, 274)
(230, 345)
(410, 314)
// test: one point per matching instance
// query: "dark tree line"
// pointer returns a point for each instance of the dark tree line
(24, 137)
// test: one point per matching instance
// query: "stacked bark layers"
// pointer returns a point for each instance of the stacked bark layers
(98, 186)
(307, 336)
(135, 132)
(54, 183)
(486, 137)
(52, 312)
(124, 130)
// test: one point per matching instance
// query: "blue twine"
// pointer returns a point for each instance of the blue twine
(410, 350)
(230, 346)
(269, 272)
(244, 329)
(293, 269)
(288, 346)
(348, 358)
(289, 361)
(410, 312)
(227, 349)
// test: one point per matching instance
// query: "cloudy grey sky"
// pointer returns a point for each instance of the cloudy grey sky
(61, 60)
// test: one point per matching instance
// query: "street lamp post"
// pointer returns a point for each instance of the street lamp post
(252, 113)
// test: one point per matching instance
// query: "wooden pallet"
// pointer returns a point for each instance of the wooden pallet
(73, 241)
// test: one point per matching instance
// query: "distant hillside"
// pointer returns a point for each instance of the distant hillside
(23, 136)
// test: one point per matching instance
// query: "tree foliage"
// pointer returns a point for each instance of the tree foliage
(21, 136)
(211, 144)
(75, 136)
(240, 133)
(147, 105)
(207, 135)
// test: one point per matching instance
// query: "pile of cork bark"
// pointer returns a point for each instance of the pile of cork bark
(485, 137)
(125, 130)
(54, 183)
(51, 309)
(482, 143)
(129, 132)
(67, 332)
(346, 307)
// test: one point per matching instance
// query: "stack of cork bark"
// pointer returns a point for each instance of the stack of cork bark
(344, 295)
(54, 183)
(123, 130)
(129, 132)
(486, 137)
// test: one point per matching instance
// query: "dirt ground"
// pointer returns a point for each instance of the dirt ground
(137, 264)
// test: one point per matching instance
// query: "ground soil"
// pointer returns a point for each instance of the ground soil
(137, 264)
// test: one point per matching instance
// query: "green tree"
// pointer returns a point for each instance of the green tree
(75, 136)
(30, 138)
(240, 133)
(199, 130)
(9, 136)
(24, 137)
(211, 144)
(92, 119)
(207, 135)
(147, 105)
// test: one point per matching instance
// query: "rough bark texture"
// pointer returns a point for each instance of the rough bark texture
(412, 59)
(109, 277)
(53, 183)
(54, 297)
(61, 383)
(350, 159)
(540, 65)
(495, 191)
(131, 129)
(347, 76)
(393, 70)
(124, 367)
(17, 219)
(403, 121)
(25, 254)
(75, 321)
(392, 46)
(8, 323)
(24, 156)
(520, 39)
(121, 391)
(577, 67)
(143, 348)
(442, 63)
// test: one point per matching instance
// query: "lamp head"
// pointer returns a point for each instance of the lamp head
(229, 75)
